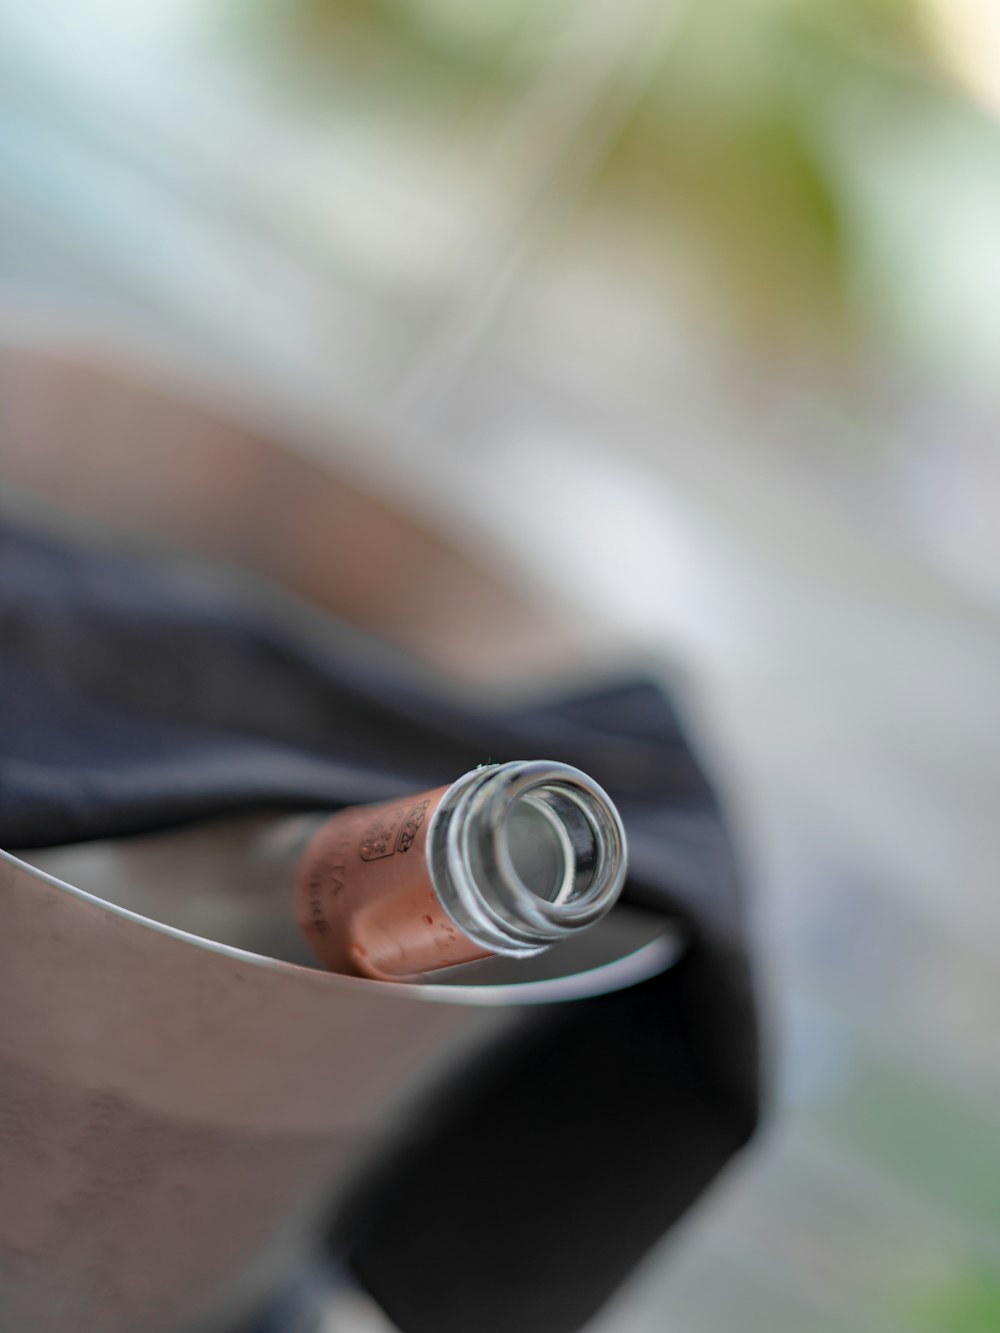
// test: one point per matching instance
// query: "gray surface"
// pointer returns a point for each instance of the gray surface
(821, 565)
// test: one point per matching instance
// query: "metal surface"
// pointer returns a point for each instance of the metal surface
(176, 1114)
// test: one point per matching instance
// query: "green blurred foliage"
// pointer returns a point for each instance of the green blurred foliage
(396, 52)
(964, 1301)
(733, 141)
(727, 150)
(886, 29)
(723, 144)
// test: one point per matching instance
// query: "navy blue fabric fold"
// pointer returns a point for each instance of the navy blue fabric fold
(137, 695)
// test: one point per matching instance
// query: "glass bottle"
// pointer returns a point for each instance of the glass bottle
(508, 860)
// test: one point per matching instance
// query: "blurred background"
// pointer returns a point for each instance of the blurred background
(543, 339)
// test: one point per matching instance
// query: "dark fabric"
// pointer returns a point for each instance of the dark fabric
(139, 694)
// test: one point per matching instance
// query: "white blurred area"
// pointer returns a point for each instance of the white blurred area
(427, 294)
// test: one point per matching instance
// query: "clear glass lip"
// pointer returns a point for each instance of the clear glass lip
(502, 826)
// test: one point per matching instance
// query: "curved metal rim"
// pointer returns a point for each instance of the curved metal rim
(643, 963)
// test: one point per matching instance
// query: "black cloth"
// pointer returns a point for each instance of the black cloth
(139, 693)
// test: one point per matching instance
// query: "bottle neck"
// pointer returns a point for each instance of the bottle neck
(523, 854)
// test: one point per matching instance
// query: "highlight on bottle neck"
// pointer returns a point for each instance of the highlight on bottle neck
(525, 853)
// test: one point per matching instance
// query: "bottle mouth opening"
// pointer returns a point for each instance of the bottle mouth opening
(551, 844)
(525, 853)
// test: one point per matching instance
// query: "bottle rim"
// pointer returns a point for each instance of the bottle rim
(473, 872)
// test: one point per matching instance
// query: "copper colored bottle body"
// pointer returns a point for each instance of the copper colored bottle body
(507, 860)
(365, 900)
